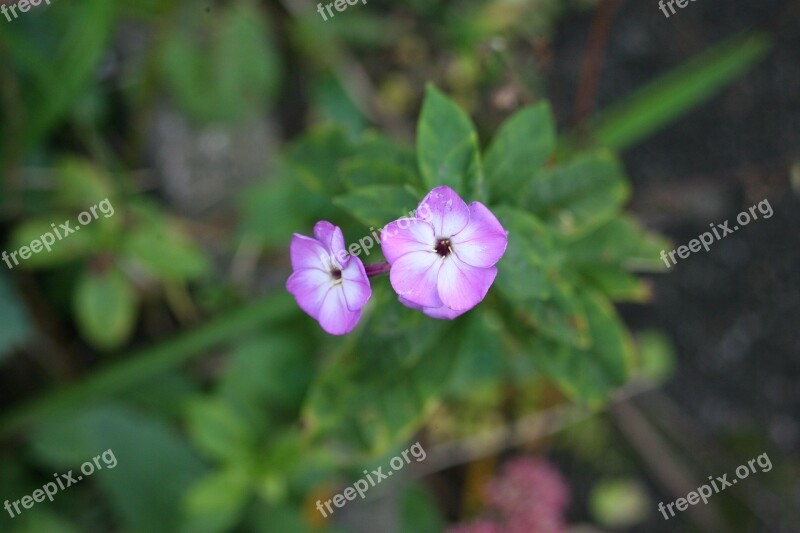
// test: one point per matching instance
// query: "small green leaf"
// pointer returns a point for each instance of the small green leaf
(524, 269)
(218, 431)
(447, 147)
(158, 245)
(69, 247)
(518, 151)
(561, 317)
(105, 308)
(590, 374)
(216, 502)
(378, 205)
(581, 194)
(80, 184)
(621, 242)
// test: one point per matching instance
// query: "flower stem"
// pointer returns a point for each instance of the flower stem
(376, 269)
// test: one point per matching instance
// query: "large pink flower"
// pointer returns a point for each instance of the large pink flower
(327, 283)
(442, 260)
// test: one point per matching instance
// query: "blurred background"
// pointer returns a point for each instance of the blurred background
(218, 128)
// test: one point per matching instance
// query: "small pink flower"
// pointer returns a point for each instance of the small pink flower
(327, 283)
(442, 260)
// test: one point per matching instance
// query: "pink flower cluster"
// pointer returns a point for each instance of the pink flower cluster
(530, 496)
(440, 261)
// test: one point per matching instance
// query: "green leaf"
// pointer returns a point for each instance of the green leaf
(524, 270)
(272, 211)
(378, 205)
(376, 391)
(80, 184)
(590, 374)
(561, 317)
(219, 431)
(620, 242)
(154, 466)
(665, 99)
(479, 359)
(357, 173)
(447, 147)
(315, 159)
(15, 324)
(105, 308)
(581, 194)
(237, 67)
(418, 513)
(72, 66)
(518, 151)
(158, 245)
(71, 247)
(216, 502)
(617, 284)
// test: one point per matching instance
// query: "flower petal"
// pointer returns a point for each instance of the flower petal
(355, 285)
(445, 210)
(334, 317)
(461, 286)
(306, 252)
(414, 277)
(309, 287)
(442, 312)
(404, 236)
(483, 240)
(332, 239)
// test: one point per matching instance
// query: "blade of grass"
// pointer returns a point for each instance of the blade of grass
(149, 362)
(665, 99)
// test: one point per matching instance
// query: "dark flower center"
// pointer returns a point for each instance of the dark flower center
(336, 273)
(443, 247)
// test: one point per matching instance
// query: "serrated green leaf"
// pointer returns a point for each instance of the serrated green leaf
(377, 205)
(518, 151)
(581, 194)
(105, 307)
(447, 147)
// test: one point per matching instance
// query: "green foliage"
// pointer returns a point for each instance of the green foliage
(447, 146)
(237, 68)
(15, 324)
(105, 308)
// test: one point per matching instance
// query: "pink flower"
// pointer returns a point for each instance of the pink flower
(327, 283)
(442, 260)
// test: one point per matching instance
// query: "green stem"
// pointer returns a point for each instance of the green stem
(148, 363)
